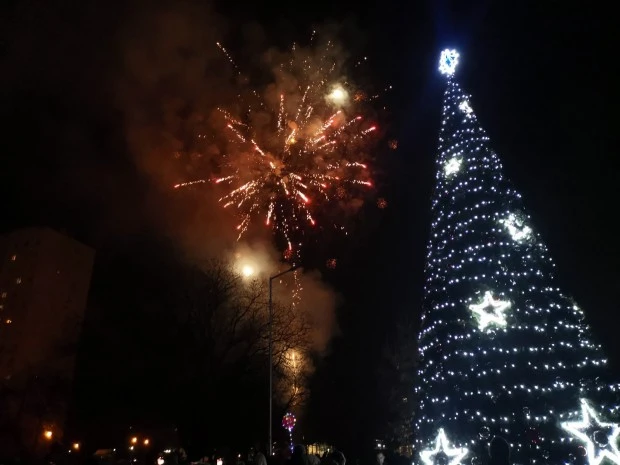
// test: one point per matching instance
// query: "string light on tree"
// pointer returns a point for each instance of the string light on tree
(600, 438)
(541, 358)
(452, 166)
(517, 230)
(442, 447)
(490, 311)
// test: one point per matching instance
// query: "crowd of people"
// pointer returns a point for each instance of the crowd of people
(297, 456)
(498, 454)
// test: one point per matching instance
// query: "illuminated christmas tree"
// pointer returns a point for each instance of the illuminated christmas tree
(503, 351)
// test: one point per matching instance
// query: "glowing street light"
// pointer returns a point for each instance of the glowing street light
(76, 446)
(247, 271)
(146, 442)
(48, 434)
(134, 440)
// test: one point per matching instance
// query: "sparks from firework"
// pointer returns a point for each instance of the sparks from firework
(309, 154)
(284, 184)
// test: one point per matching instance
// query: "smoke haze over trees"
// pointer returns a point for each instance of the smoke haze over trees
(181, 348)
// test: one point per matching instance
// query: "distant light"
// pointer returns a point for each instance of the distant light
(146, 442)
(134, 440)
(76, 446)
(48, 434)
(247, 270)
(160, 461)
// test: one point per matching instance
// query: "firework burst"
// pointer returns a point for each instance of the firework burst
(296, 151)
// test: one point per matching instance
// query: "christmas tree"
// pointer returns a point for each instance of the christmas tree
(503, 351)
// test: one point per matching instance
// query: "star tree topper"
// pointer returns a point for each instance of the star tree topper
(585, 430)
(495, 316)
(442, 446)
(448, 61)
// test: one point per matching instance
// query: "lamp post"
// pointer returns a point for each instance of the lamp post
(270, 436)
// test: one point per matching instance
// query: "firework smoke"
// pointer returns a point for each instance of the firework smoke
(173, 81)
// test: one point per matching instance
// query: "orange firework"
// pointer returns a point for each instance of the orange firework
(290, 156)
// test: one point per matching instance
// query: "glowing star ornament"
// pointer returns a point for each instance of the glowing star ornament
(465, 108)
(448, 61)
(495, 316)
(442, 447)
(517, 230)
(452, 166)
(591, 426)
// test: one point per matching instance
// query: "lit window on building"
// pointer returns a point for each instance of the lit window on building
(18, 281)
(13, 257)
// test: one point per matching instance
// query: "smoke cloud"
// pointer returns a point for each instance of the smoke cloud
(171, 79)
(318, 300)
(121, 106)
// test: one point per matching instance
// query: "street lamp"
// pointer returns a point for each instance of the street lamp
(270, 437)
(247, 271)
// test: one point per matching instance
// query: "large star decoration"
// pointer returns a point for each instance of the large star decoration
(585, 430)
(495, 317)
(448, 61)
(517, 230)
(465, 108)
(442, 446)
(452, 166)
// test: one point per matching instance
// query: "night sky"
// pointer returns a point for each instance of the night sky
(540, 75)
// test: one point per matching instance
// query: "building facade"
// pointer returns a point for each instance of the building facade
(44, 282)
